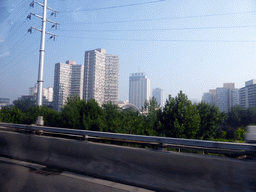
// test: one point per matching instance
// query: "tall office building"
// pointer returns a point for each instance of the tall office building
(222, 99)
(247, 94)
(101, 74)
(159, 96)
(139, 89)
(68, 81)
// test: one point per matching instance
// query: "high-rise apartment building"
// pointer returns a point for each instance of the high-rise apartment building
(101, 74)
(207, 98)
(230, 87)
(159, 96)
(68, 81)
(222, 99)
(139, 89)
(111, 78)
(247, 94)
(214, 95)
(234, 97)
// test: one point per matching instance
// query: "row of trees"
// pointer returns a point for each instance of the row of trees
(178, 118)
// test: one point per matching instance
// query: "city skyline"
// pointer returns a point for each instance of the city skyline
(180, 46)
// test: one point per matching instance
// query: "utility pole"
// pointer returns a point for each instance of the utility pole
(39, 99)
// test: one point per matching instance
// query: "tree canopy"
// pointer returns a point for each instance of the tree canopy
(178, 118)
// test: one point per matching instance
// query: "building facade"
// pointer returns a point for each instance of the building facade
(247, 94)
(5, 100)
(214, 95)
(68, 81)
(222, 99)
(101, 76)
(159, 96)
(207, 98)
(234, 97)
(230, 87)
(139, 89)
(111, 78)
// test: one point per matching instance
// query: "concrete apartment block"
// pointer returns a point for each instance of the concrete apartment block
(68, 81)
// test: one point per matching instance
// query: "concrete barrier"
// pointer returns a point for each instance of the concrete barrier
(157, 170)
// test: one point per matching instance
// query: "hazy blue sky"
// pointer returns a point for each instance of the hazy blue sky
(188, 45)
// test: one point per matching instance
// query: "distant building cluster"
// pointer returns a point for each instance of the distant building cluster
(97, 78)
(47, 92)
(228, 96)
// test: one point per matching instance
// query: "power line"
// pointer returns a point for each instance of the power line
(168, 40)
(165, 18)
(22, 3)
(22, 57)
(14, 46)
(170, 29)
(29, 46)
(18, 61)
(18, 26)
(12, 35)
(115, 7)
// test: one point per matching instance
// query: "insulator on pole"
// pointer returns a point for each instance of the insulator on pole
(30, 30)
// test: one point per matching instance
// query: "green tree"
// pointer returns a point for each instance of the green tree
(112, 115)
(179, 118)
(150, 110)
(211, 119)
(51, 118)
(24, 104)
(240, 132)
(239, 117)
(133, 123)
(12, 115)
(79, 114)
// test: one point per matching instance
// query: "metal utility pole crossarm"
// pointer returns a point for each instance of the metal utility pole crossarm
(42, 47)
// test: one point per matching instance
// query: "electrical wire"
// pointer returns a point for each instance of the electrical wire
(164, 18)
(170, 29)
(115, 7)
(166, 40)
(17, 28)
(14, 46)
(29, 46)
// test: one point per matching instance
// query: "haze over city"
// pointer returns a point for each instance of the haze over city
(191, 46)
